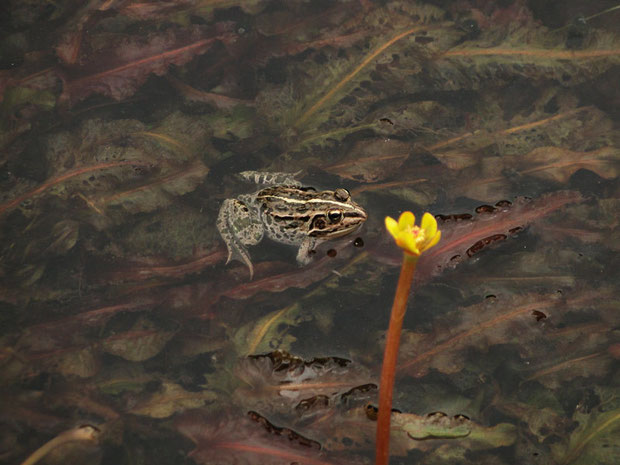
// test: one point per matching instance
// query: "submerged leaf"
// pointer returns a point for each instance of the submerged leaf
(594, 440)
(16, 97)
(142, 342)
(126, 62)
(226, 438)
(172, 399)
(463, 236)
(541, 421)
(371, 161)
(180, 11)
(284, 382)
(496, 321)
(547, 163)
(357, 426)
(110, 163)
(83, 363)
(532, 52)
(271, 331)
(157, 192)
(328, 96)
(558, 164)
(440, 426)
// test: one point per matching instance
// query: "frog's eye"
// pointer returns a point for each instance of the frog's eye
(342, 194)
(334, 215)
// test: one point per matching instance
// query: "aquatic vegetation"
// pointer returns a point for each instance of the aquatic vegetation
(122, 127)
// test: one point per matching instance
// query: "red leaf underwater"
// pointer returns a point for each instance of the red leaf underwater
(228, 439)
(464, 236)
(121, 68)
(279, 381)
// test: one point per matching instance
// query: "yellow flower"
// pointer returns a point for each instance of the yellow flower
(411, 238)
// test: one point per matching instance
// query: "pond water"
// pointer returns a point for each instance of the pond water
(124, 128)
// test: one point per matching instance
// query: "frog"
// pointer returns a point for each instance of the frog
(286, 212)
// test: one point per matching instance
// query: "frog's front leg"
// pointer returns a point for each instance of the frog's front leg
(305, 250)
(239, 227)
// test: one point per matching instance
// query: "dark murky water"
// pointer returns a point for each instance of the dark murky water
(123, 127)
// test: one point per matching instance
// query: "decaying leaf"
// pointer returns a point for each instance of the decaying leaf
(225, 437)
(83, 363)
(270, 331)
(172, 399)
(356, 428)
(282, 382)
(157, 192)
(181, 10)
(595, 439)
(495, 321)
(547, 163)
(438, 425)
(97, 165)
(372, 161)
(464, 235)
(124, 63)
(140, 343)
(541, 422)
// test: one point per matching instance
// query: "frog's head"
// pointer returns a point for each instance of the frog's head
(335, 214)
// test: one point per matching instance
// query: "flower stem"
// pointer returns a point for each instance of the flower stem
(388, 370)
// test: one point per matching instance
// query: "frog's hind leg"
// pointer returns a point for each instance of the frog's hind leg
(238, 230)
(271, 178)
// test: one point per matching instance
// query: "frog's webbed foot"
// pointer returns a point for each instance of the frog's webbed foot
(304, 254)
(271, 178)
(236, 227)
(236, 251)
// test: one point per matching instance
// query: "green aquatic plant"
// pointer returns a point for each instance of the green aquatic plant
(414, 240)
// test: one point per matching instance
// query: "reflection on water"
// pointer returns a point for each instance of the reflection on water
(123, 127)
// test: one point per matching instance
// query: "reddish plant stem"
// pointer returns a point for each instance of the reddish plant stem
(388, 370)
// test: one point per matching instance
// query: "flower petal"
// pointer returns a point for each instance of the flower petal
(392, 226)
(434, 241)
(429, 225)
(410, 244)
(406, 220)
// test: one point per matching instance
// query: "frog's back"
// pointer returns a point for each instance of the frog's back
(286, 212)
